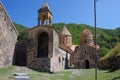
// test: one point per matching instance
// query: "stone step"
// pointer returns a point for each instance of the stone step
(22, 78)
(20, 74)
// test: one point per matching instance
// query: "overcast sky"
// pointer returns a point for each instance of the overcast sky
(67, 11)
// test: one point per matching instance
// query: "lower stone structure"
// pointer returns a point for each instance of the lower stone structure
(84, 57)
(41, 64)
(48, 64)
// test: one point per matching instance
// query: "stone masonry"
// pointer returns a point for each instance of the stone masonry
(55, 57)
(8, 38)
(84, 54)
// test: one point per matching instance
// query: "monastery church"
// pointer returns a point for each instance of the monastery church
(46, 50)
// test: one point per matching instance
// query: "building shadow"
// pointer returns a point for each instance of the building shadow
(112, 70)
(116, 78)
(20, 54)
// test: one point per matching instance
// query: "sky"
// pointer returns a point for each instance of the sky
(66, 11)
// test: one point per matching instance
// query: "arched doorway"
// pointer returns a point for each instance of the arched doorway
(87, 65)
(43, 41)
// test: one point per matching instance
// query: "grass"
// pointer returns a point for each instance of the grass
(6, 73)
(70, 74)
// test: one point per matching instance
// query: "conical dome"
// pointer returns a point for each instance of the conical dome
(86, 37)
(86, 32)
(65, 31)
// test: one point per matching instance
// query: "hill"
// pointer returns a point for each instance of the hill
(114, 52)
(22, 31)
(107, 38)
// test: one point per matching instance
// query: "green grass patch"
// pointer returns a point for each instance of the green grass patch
(6, 73)
(69, 74)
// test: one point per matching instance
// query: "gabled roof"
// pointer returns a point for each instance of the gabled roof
(66, 48)
(65, 31)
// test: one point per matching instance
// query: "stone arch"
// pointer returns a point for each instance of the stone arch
(44, 19)
(43, 45)
(87, 64)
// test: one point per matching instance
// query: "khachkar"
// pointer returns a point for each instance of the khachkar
(8, 38)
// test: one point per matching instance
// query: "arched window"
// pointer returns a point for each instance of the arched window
(43, 40)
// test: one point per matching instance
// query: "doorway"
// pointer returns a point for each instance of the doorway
(87, 65)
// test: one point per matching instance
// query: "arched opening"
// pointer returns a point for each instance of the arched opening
(87, 64)
(20, 54)
(43, 41)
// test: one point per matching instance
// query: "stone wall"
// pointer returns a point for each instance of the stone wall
(32, 48)
(66, 40)
(55, 65)
(47, 64)
(41, 64)
(8, 38)
(82, 54)
(60, 55)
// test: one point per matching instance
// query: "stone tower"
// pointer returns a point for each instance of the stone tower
(44, 14)
(86, 38)
(65, 37)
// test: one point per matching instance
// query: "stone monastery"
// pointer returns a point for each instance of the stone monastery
(46, 49)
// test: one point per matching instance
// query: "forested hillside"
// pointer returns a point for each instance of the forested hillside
(113, 53)
(107, 38)
(22, 30)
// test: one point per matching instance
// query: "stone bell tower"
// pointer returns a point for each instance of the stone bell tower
(43, 50)
(44, 14)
